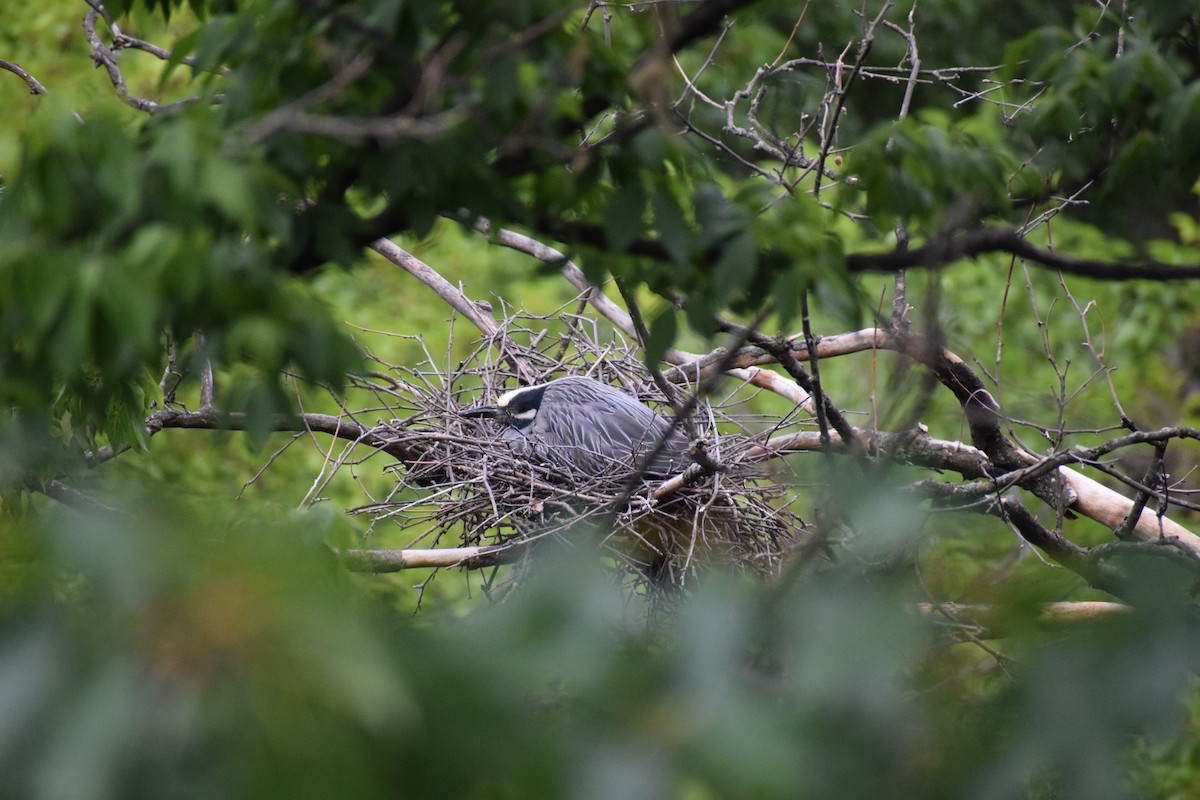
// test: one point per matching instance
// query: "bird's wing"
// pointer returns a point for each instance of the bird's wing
(609, 431)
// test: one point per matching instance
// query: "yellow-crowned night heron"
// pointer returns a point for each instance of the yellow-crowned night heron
(588, 428)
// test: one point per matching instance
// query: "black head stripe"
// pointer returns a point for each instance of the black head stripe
(518, 403)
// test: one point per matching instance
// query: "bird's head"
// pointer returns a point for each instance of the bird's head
(517, 408)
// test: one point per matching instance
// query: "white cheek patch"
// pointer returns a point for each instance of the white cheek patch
(528, 414)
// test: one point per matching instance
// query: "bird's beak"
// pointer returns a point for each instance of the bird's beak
(491, 412)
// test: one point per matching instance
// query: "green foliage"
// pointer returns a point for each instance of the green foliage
(109, 239)
(234, 659)
(925, 171)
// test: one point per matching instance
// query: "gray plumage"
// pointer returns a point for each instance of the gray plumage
(587, 427)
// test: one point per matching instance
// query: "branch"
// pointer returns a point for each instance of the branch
(914, 447)
(1082, 494)
(782, 351)
(450, 293)
(454, 297)
(210, 418)
(397, 560)
(827, 135)
(124, 41)
(971, 244)
(996, 622)
(1024, 521)
(35, 86)
(104, 57)
(69, 496)
(1098, 502)
(360, 128)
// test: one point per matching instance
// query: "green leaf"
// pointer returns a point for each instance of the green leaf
(623, 216)
(672, 228)
(663, 330)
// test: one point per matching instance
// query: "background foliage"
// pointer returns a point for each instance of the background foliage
(198, 637)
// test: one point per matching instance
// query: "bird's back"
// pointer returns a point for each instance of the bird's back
(596, 429)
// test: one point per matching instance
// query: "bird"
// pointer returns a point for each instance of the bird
(587, 428)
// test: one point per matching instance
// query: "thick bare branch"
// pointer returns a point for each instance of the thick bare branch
(397, 560)
(451, 294)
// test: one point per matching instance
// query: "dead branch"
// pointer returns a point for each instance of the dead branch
(842, 90)
(358, 560)
(1083, 495)
(452, 295)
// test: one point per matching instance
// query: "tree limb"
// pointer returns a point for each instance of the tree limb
(396, 560)
(209, 418)
(953, 247)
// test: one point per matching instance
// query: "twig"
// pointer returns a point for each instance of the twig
(1124, 532)
(643, 337)
(827, 135)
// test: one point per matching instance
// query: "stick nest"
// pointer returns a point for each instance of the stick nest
(463, 485)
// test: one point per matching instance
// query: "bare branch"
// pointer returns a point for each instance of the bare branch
(996, 622)
(842, 90)
(208, 418)
(450, 293)
(35, 86)
(444, 557)
(124, 41)
(62, 492)
(104, 57)
(454, 297)
(358, 128)
(971, 244)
